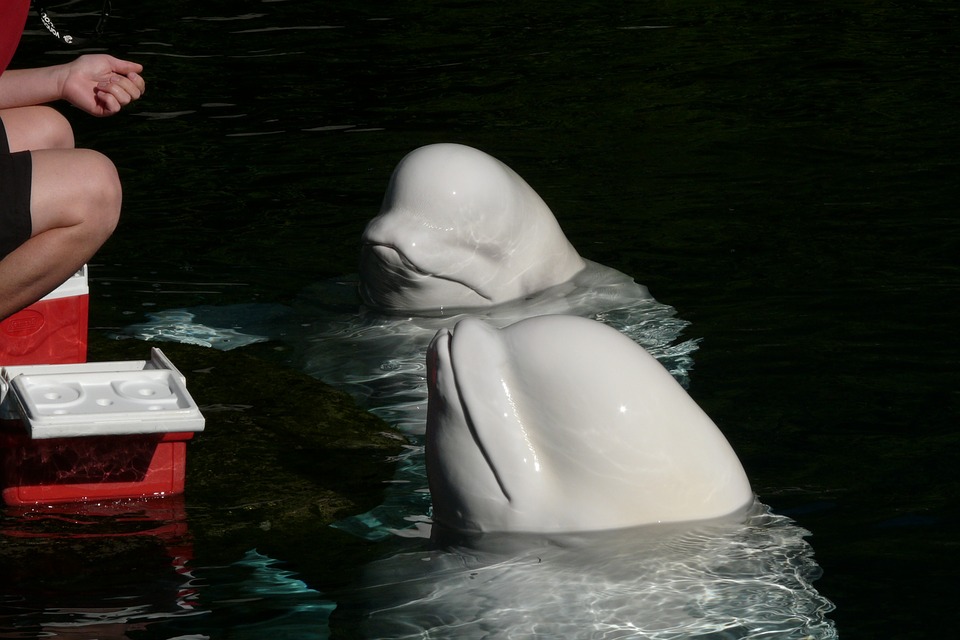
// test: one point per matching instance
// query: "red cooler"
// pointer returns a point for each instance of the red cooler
(52, 330)
(94, 431)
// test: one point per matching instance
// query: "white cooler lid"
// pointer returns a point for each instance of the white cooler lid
(75, 285)
(103, 398)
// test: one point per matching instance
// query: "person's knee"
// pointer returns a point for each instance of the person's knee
(106, 194)
(98, 204)
(56, 129)
(38, 127)
(76, 188)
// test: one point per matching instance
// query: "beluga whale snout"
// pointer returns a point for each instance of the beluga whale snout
(460, 229)
(561, 424)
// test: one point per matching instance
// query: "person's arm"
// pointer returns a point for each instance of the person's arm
(99, 84)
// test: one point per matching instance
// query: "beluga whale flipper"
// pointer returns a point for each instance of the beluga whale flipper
(460, 229)
(562, 424)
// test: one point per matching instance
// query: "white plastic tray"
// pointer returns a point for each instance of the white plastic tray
(104, 398)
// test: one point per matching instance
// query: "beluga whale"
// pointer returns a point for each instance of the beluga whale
(460, 229)
(561, 424)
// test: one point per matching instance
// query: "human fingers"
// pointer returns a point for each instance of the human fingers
(138, 81)
(106, 104)
(122, 88)
(125, 67)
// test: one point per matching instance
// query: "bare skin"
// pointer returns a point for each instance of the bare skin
(76, 196)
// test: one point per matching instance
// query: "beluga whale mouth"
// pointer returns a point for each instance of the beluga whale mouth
(562, 424)
(390, 275)
(460, 398)
(460, 229)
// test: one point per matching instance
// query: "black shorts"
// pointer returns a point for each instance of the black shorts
(16, 171)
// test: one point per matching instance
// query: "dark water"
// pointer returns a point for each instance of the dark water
(785, 175)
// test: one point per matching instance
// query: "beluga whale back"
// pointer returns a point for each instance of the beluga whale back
(458, 229)
(561, 424)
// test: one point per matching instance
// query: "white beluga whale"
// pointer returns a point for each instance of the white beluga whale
(460, 229)
(562, 424)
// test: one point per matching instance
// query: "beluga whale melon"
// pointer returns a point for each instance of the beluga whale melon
(562, 424)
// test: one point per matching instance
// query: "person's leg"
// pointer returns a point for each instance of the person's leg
(31, 128)
(75, 199)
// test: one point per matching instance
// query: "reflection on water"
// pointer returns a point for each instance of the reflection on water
(256, 597)
(717, 580)
(60, 580)
(64, 582)
(721, 580)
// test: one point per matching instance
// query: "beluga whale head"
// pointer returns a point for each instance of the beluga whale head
(561, 424)
(458, 229)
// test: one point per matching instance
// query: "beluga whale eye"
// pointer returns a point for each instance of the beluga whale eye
(561, 424)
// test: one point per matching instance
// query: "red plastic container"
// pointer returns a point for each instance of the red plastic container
(52, 330)
(91, 468)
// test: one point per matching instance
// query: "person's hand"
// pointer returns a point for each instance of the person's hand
(100, 84)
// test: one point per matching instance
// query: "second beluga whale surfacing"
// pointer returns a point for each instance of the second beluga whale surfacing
(579, 492)
(560, 424)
